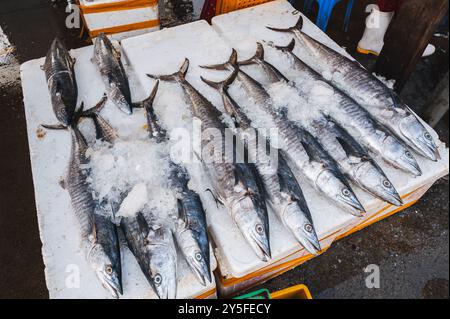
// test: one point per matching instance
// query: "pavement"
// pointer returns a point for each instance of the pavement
(410, 248)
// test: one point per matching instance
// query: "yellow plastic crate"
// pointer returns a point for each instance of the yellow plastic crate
(225, 6)
(294, 292)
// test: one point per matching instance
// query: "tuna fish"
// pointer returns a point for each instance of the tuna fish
(107, 59)
(237, 186)
(352, 159)
(98, 232)
(367, 90)
(302, 150)
(283, 191)
(62, 85)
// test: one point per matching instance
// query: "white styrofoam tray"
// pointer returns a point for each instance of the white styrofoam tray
(62, 253)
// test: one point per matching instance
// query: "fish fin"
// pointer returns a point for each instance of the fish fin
(42, 67)
(258, 56)
(285, 49)
(54, 126)
(93, 111)
(142, 224)
(62, 182)
(178, 76)
(182, 211)
(149, 101)
(223, 85)
(231, 63)
(216, 199)
(297, 26)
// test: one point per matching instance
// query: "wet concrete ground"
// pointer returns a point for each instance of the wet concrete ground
(411, 248)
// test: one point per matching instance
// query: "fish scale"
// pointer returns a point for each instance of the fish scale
(367, 90)
(236, 185)
(319, 168)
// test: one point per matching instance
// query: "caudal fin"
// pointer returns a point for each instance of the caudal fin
(297, 26)
(93, 111)
(287, 48)
(178, 76)
(258, 56)
(230, 64)
(223, 85)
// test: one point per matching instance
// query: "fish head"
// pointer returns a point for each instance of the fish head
(422, 141)
(335, 188)
(115, 94)
(107, 270)
(250, 215)
(297, 219)
(376, 182)
(401, 157)
(197, 260)
(163, 265)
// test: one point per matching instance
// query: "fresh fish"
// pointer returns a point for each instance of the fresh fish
(236, 185)
(107, 59)
(352, 159)
(98, 233)
(155, 253)
(367, 90)
(283, 191)
(301, 148)
(62, 85)
(357, 120)
(190, 229)
(103, 130)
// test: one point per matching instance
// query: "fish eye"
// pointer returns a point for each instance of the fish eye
(345, 192)
(259, 229)
(157, 279)
(308, 228)
(112, 84)
(109, 269)
(408, 154)
(427, 135)
(387, 183)
(198, 256)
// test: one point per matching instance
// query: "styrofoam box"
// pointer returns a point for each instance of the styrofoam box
(163, 52)
(95, 21)
(62, 253)
(236, 29)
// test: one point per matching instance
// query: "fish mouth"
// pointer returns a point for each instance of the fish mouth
(201, 271)
(310, 246)
(392, 198)
(262, 250)
(410, 165)
(353, 205)
(112, 284)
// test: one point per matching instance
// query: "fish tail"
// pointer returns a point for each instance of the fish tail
(287, 48)
(178, 76)
(297, 26)
(95, 110)
(230, 64)
(223, 85)
(258, 56)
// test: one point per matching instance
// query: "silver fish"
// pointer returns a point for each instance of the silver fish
(352, 159)
(354, 80)
(283, 191)
(357, 121)
(236, 185)
(301, 148)
(107, 59)
(190, 229)
(98, 233)
(62, 85)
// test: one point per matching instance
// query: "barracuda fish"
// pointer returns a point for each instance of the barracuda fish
(190, 229)
(237, 186)
(283, 191)
(61, 82)
(301, 148)
(107, 59)
(352, 159)
(357, 121)
(98, 233)
(380, 101)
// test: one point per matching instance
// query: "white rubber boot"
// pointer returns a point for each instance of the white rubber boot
(377, 24)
